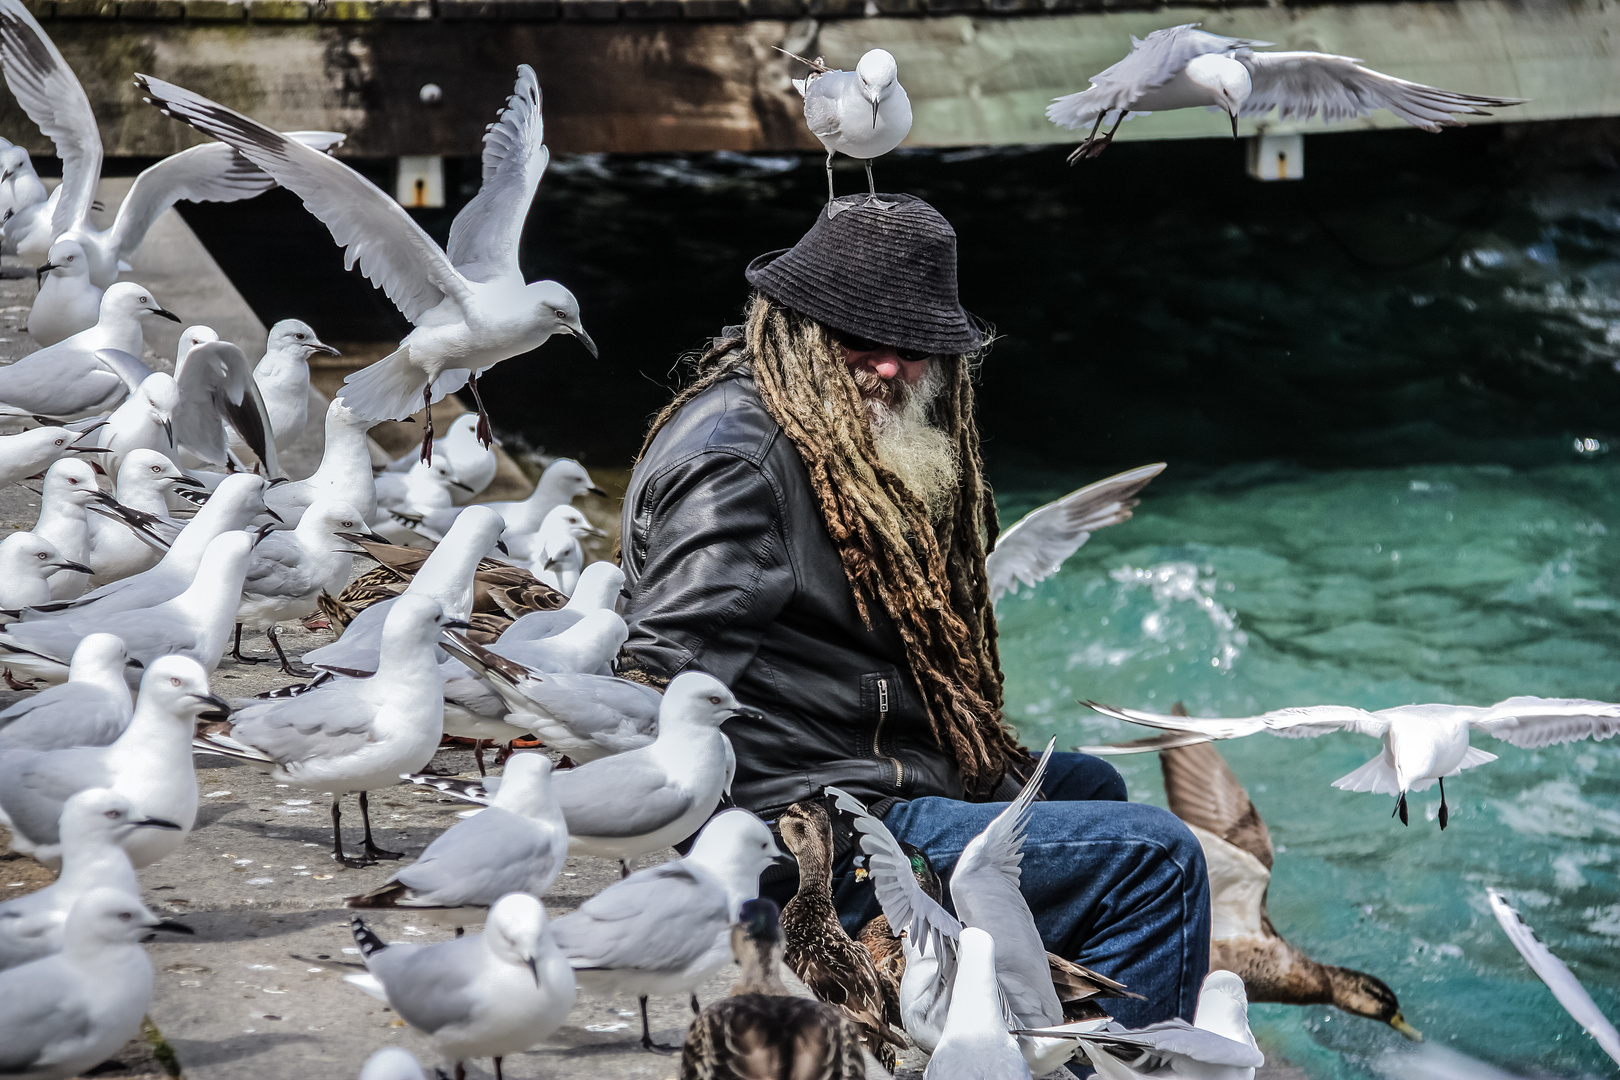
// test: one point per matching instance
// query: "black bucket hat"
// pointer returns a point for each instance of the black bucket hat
(882, 269)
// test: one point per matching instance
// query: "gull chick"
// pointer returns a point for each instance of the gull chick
(1184, 67)
(862, 113)
(470, 306)
(490, 995)
(1423, 744)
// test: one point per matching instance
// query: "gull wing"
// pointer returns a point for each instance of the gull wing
(481, 859)
(1298, 723)
(430, 986)
(1036, 545)
(907, 907)
(821, 104)
(1169, 740)
(619, 796)
(50, 94)
(1160, 1044)
(46, 1019)
(129, 368)
(985, 890)
(1153, 61)
(35, 784)
(1301, 84)
(484, 237)
(372, 228)
(663, 918)
(1532, 722)
(277, 567)
(331, 721)
(216, 383)
(213, 172)
(1559, 979)
(1202, 790)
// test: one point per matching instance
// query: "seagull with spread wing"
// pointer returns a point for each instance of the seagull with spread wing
(51, 95)
(1035, 546)
(1184, 67)
(1423, 744)
(1556, 974)
(470, 305)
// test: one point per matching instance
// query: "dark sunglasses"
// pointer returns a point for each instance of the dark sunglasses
(860, 344)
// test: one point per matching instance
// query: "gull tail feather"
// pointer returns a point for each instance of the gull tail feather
(389, 389)
(1377, 776)
(368, 982)
(1074, 111)
(474, 791)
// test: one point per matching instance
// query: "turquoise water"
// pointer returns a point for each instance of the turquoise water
(1261, 587)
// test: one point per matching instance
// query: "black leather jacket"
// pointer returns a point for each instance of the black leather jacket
(729, 569)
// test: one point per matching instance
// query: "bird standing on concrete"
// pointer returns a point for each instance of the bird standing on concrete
(1184, 67)
(282, 376)
(91, 371)
(470, 306)
(67, 301)
(91, 709)
(862, 113)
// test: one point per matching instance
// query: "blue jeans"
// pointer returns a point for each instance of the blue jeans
(1117, 886)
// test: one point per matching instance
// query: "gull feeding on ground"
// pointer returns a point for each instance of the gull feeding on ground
(516, 844)
(90, 372)
(1556, 974)
(666, 929)
(862, 113)
(470, 306)
(28, 561)
(51, 95)
(68, 1012)
(1184, 67)
(1423, 744)
(67, 301)
(149, 764)
(282, 376)
(1035, 546)
(490, 995)
(92, 708)
(95, 823)
(352, 734)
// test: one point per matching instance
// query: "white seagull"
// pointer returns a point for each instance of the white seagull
(344, 471)
(470, 305)
(119, 548)
(92, 708)
(557, 556)
(69, 487)
(91, 371)
(563, 481)
(67, 301)
(50, 94)
(492, 995)
(862, 113)
(1423, 744)
(471, 462)
(28, 561)
(1035, 546)
(34, 450)
(1184, 67)
(282, 376)
(145, 421)
(975, 1041)
(1556, 974)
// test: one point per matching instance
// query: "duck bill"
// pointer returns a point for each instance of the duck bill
(1398, 1022)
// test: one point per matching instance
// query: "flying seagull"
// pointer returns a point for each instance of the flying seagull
(1423, 744)
(470, 305)
(1556, 974)
(1184, 67)
(862, 113)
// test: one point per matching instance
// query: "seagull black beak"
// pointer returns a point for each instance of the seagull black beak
(321, 346)
(874, 113)
(192, 481)
(91, 449)
(594, 490)
(594, 531)
(746, 712)
(168, 428)
(500, 546)
(356, 538)
(534, 968)
(171, 316)
(262, 532)
(585, 340)
(157, 823)
(455, 624)
(218, 708)
(1234, 124)
(464, 487)
(77, 568)
(271, 512)
(40, 271)
(177, 927)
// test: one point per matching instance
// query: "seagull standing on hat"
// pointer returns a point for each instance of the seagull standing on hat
(862, 113)
(808, 523)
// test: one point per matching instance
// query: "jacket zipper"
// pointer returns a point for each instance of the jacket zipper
(877, 733)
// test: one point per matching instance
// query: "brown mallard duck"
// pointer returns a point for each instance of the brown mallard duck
(836, 970)
(1204, 793)
(1077, 986)
(501, 592)
(761, 1032)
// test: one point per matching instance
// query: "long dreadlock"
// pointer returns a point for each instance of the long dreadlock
(926, 570)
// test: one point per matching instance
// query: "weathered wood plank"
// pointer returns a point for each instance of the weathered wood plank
(646, 84)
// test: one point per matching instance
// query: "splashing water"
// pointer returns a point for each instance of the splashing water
(1262, 587)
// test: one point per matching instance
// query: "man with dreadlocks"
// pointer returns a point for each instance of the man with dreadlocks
(808, 523)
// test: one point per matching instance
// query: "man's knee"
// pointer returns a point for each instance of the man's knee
(1082, 778)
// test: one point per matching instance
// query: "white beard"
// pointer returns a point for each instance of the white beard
(910, 446)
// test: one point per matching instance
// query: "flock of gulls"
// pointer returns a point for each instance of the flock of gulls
(166, 529)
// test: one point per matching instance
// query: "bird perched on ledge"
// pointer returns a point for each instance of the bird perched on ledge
(1184, 67)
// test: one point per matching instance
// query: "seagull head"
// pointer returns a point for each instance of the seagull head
(26, 554)
(565, 480)
(190, 338)
(159, 395)
(1226, 80)
(294, 337)
(516, 930)
(878, 74)
(71, 481)
(66, 256)
(128, 300)
(107, 916)
(700, 700)
(178, 686)
(13, 159)
(558, 311)
(104, 814)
